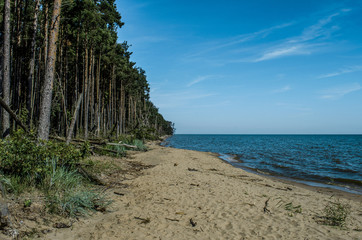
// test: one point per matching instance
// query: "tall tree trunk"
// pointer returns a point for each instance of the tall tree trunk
(31, 78)
(46, 31)
(86, 94)
(45, 109)
(6, 68)
(91, 94)
(98, 100)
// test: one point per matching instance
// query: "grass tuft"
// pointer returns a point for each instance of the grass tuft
(336, 213)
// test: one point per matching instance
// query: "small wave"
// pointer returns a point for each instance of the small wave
(348, 181)
(345, 170)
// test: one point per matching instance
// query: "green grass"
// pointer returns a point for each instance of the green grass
(139, 144)
(70, 195)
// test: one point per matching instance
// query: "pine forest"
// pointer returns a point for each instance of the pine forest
(64, 73)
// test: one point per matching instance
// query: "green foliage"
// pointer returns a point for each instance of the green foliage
(139, 144)
(21, 156)
(27, 203)
(24, 113)
(336, 213)
(145, 133)
(119, 151)
(50, 168)
(6, 184)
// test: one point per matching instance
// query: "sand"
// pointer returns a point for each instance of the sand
(195, 195)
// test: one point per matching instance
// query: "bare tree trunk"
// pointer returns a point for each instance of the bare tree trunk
(30, 99)
(6, 67)
(98, 100)
(45, 109)
(74, 119)
(86, 95)
(92, 93)
(46, 28)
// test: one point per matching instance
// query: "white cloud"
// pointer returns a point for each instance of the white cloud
(338, 92)
(342, 71)
(197, 80)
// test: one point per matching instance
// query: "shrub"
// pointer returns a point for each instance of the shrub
(21, 156)
(51, 168)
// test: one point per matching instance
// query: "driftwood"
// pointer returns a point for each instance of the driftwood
(266, 210)
(122, 144)
(97, 142)
(13, 115)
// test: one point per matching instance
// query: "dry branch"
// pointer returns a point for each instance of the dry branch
(13, 115)
(266, 210)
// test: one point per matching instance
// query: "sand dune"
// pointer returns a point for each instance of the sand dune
(195, 195)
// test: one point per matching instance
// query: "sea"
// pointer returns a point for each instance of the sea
(333, 161)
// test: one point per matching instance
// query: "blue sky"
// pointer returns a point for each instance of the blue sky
(250, 67)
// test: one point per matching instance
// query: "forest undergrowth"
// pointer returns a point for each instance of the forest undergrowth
(56, 181)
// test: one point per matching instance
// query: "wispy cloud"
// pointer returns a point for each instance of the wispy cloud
(308, 42)
(338, 92)
(350, 69)
(320, 29)
(283, 51)
(283, 89)
(237, 40)
(198, 79)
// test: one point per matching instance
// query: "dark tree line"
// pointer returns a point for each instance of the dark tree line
(63, 70)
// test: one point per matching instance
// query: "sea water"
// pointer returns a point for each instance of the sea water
(324, 160)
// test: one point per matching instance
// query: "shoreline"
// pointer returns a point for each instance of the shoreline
(333, 190)
(185, 194)
(306, 183)
(231, 159)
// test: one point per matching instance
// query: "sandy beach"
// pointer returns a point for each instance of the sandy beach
(195, 195)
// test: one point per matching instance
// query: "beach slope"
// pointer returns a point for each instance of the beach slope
(195, 195)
